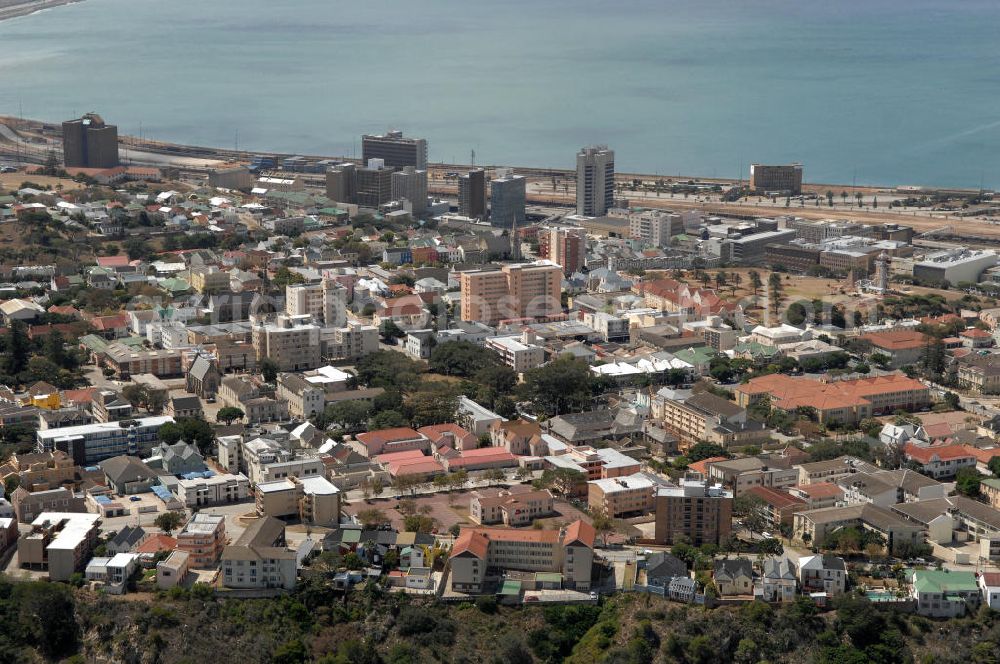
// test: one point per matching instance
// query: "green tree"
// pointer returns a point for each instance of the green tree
(16, 349)
(167, 521)
(348, 415)
(228, 414)
(269, 370)
(755, 281)
(967, 482)
(559, 387)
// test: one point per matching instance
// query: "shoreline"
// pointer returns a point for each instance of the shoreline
(31, 7)
(176, 152)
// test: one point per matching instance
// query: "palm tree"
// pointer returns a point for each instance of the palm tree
(737, 280)
(858, 195)
(843, 197)
(829, 198)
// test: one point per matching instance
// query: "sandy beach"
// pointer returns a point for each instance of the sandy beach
(14, 8)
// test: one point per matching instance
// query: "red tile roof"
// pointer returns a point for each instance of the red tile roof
(896, 339)
(580, 531)
(778, 499)
(928, 454)
(702, 466)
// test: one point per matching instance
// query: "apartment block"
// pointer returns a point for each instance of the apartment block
(349, 342)
(630, 495)
(310, 499)
(290, 342)
(693, 512)
(260, 559)
(203, 539)
(59, 542)
(325, 301)
(515, 353)
(489, 506)
(218, 489)
(526, 290)
(565, 247)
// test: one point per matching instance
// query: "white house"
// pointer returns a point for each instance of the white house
(779, 580)
(823, 573)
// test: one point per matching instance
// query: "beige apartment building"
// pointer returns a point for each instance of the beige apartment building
(501, 506)
(290, 342)
(45, 470)
(203, 538)
(209, 279)
(480, 556)
(259, 558)
(693, 512)
(313, 500)
(350, 342)
(28, 505)
(622, 496)
(325, 301)
(60, 542)
(528, 290)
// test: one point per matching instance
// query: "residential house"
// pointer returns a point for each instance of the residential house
(945, 593)
(126, 540)
(779, 580)
(939, 461)
(662, 568)
(823, 573)
(128, 475)
(733, 576)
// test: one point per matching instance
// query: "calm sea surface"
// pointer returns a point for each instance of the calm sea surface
(884, 91)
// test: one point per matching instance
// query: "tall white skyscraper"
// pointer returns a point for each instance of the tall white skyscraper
(595, 180)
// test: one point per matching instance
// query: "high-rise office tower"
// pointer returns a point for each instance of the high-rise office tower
(507, 200)
(374, 184)
(342, 183)
(90, 143)
(595, 180)
(785, 178)
(472, 194)
(394, 150)
(411, 184)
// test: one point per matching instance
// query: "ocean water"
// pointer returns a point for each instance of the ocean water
(872, 91)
